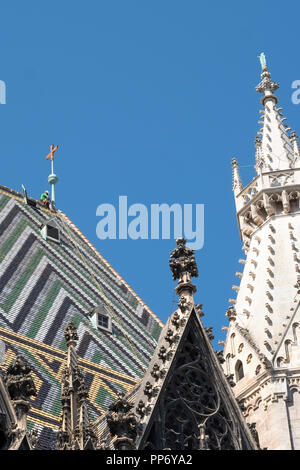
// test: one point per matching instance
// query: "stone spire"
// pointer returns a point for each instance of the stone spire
(294, 141)
(262, 343)
(236, 179)
(276, 150)
(75, 431)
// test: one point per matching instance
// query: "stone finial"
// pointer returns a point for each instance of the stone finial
(182, 261)
(237, 185)
(20, 385)
(122, 423)
(267, 86)
(71, 335)
(183, 266)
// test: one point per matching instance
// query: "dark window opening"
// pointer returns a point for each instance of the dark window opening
(103, 321)
(52, 232)
(239, 370)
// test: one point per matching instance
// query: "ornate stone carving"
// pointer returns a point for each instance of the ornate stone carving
(199, 310)
(171, 337)
(20, 385)
(230, 380)
(184, 304)
(177, 320)
(122, 423)
(150, 391)
(142, 409)
(266, 83)
(209, 333)
(182, 262)
(231, 313)
(158, 373)
(191, 411)
(164, 354)
(252, 427)
(242, 405)
(220, 356)
(281, 179)
(71, 336)
(75, 431)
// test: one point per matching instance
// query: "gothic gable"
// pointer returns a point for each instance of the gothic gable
(185, 402)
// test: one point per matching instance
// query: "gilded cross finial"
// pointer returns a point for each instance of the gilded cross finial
(52, 151)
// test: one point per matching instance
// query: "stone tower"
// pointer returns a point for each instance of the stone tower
(262, 347)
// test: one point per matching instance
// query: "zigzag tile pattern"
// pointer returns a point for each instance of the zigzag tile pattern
(43, 286)
(47, 364)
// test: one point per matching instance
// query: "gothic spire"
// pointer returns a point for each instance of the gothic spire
(236, 179)
(294, 141)
(75, 431)
(275, 149)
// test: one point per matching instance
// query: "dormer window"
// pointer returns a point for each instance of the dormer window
(50, 231)
(103, 321)
(101, 318)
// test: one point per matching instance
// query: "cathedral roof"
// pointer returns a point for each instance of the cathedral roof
(47, 283)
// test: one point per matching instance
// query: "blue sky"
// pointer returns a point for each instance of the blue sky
(149, 99)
